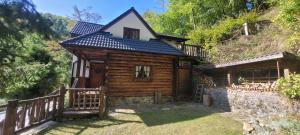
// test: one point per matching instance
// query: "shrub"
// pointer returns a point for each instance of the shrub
(290, 86)
(210, 36)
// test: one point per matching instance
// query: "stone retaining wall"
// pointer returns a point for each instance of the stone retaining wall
(264, 102)
(116, 101)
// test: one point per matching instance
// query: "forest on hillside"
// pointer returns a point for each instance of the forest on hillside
(33, 64)
(215, 24)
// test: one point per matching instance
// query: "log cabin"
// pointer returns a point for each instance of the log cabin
(134, 63)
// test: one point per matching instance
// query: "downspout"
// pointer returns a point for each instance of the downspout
(174, 80)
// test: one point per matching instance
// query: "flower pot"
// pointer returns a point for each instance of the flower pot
(207, 100)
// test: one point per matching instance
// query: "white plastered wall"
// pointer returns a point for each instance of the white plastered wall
(130, 21)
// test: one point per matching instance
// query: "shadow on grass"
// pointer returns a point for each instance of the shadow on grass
(140, 119)
(162, 117)
(79, 126)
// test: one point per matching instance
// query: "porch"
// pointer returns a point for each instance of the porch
(62, 104)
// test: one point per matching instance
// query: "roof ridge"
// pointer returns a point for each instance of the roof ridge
(91, 23)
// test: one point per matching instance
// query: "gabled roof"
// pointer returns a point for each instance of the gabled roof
(106, 41)
(82, 28)
(131, 10)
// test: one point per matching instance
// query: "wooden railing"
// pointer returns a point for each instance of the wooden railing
(82, 99)
(35, 111)
(194, 51)
(23, 114)
(2, 110)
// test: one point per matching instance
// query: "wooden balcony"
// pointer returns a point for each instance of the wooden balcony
(195, 51)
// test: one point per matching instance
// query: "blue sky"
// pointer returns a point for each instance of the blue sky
(108, 9)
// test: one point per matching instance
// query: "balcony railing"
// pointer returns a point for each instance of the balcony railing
(193, 51)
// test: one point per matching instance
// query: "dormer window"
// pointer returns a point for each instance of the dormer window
(130, 33)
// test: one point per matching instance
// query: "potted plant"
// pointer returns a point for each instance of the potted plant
(207, 100)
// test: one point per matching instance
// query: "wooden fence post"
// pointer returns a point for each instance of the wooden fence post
(10, 118)
(62, 92)
(102, 102)
(157, 97)
(71, 98)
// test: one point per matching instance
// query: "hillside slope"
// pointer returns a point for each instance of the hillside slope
(269, 38)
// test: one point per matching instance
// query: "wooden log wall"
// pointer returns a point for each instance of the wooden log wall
(121, 72)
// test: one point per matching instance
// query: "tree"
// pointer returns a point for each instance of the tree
(154, 20)
(163, 4)
(85, 15)
(289, 19)
(31, 63)
(60, 25)
(182, 16)
(17, 18)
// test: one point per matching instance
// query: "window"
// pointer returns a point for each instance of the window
(131, 33)
(142, 72)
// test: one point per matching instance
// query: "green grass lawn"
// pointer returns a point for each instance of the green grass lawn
(182, 120)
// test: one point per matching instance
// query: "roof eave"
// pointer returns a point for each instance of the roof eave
(97, 47)
(172, 37)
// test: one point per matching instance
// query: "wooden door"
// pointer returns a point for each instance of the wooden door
(184, 82)
(97, 72)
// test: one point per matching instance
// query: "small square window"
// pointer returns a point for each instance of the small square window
(130, 33)
(142, 72)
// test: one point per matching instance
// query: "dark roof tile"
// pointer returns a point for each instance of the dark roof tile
(105, 40)
(82, 28)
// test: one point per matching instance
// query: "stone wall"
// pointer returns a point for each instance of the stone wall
(117, 101)
(263, 102)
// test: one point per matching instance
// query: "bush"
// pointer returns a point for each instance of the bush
(209, 37)
(289, 18)
(290, 86)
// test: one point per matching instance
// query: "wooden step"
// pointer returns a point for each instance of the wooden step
(80, 113)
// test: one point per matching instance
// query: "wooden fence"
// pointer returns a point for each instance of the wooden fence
(24, 114)
(87, 99)
(194, 51)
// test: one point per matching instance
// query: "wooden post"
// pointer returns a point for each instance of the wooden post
(246, 29)
(174, 78)
(286, 72)
(253, 76)
(229, 77)
(10, 118)
(278, 69)
(101, 102)
(269, 76)
(71, 98)
(54, 108)
(157, 97)
(62, 92)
